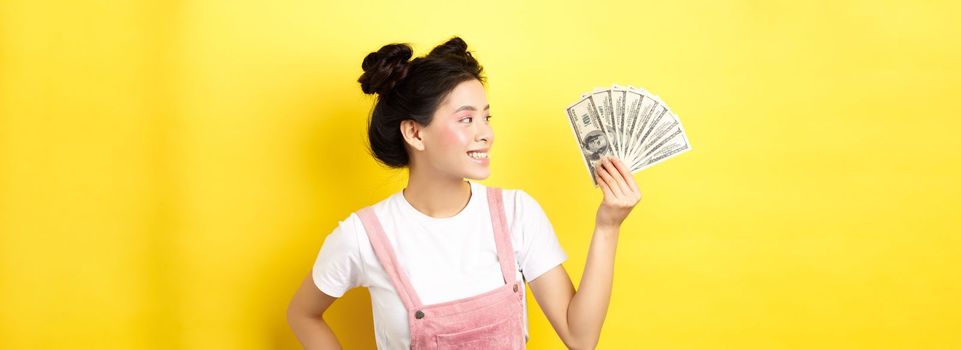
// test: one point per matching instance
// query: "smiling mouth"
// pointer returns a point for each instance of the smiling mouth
(477, 155)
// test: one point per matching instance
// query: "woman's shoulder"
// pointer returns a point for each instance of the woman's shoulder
(346, 230)
(352, 223)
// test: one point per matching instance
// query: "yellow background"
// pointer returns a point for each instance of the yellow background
(169, 169)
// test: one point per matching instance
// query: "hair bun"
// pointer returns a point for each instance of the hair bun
(455, 46)
(384, 68)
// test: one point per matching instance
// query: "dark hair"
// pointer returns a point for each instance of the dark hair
(410, 90)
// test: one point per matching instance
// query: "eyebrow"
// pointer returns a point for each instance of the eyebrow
(471, 108)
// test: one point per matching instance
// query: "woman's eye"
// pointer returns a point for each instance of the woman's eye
(471, 119)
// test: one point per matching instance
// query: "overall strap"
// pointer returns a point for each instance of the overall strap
(502, 237)
(385, 254)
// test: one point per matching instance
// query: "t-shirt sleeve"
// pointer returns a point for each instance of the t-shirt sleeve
(540, 249)
(338, 267)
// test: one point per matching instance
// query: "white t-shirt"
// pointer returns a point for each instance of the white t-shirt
(444, 258)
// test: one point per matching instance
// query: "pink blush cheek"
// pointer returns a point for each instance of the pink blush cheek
(455, 139)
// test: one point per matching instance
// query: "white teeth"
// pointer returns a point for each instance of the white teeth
(477, 155)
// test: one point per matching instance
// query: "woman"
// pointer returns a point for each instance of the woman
(445, 260)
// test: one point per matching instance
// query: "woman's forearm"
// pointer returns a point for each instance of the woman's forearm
(313, 332)
(588, 308)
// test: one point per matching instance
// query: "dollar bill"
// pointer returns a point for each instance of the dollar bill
(589, 132)
(670, 148)
(618, 95)
(642, 118)
(604, 106)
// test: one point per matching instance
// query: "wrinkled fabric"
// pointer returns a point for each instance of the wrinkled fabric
(491, 320)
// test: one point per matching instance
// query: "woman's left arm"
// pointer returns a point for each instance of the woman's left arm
(577, 316)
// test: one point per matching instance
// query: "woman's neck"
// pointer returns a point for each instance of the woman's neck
(437, 196)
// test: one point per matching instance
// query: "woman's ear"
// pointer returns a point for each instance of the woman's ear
(411, 130)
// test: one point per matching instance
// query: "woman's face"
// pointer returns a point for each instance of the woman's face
(458, 140)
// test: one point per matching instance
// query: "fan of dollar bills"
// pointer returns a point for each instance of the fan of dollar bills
(627, 122)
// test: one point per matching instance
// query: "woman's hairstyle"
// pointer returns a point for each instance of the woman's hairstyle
(410, 90)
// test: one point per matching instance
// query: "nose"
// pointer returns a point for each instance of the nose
(485, 134)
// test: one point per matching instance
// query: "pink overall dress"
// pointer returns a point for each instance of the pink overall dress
(490, 320)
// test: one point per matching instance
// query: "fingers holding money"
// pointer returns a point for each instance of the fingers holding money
(611, 177)
(606, 180)
(625, 173)
(605, 188)
(620, 192)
